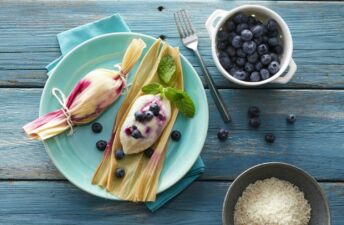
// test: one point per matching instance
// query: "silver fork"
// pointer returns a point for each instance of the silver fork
(190, 40)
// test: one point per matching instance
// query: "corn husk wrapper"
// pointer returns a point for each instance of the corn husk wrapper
(142, 174)
(88, 99)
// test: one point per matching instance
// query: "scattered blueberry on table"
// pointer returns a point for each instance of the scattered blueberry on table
(176, 135)
(101, 145)
(249, 49)
(119, 154)
(97, 127)
(148, 152)
(253, 111)
(161, 8)
(120, 172)
(270, 137)
(291, 118)
(254, 122)
(222, 134)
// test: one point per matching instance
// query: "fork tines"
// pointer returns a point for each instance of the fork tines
(183, 23)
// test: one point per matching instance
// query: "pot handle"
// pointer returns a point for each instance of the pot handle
(209, 24)
(286, 78)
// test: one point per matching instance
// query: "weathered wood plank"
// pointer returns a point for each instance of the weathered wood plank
(314, 142)
(62, 203)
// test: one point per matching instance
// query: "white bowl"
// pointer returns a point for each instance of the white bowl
(219, 17)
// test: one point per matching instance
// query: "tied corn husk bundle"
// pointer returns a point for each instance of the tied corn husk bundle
(141, 173)
(88, 99)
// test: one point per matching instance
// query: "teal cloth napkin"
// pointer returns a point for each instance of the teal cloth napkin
(69, 39)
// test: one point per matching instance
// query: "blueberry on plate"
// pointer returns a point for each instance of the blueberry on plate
(119, 154)
(241, 27)
(253, 111)
(272, 25)
(149, 115)
(248, 67)
(265, 59)
(148, 152)
(101, 145)
(232, 35)
(225, 62)
(258, 66)
(240, 61)
(274, 41)
(237, 42)
(222, 134)
(230, 25)
(273, 67)
(222, 35)
(255, 76)
(262, 49)
(257, 30)
(240, 75)
(253, 58)
(264, 74)
(291, 118)
(249, 47)
(278, 49)
(273, 33)
(274, 57)
(265, 39)
(258, 40)
(231, 51)
(240, 53)
(221, 45)
(97, 127)
(269, 138)
(254, 122)
(251, 20)
(136, 134)
(120, 173)
(238, 17)
(246, 35)
(176, 135)
(139, 116)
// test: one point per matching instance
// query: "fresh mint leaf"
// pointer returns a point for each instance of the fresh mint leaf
(153, 88)
(166, 69)
(181, 100)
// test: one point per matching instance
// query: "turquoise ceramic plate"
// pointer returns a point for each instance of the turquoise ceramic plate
(76, 156)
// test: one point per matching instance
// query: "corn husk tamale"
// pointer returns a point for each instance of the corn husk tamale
(88, 99)
(142, 174)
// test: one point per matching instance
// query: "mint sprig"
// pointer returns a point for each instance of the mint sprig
(179, 98)
(167, 69)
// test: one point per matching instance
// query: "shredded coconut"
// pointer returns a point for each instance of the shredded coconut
(272, 202)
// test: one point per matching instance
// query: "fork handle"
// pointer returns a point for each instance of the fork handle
(213, 90)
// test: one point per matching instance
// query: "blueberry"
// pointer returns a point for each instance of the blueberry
(253, 58)
(230, 25)
(270, 137)
(226, 62)
(231, 51)
(274, 67)
(272, 25)
(254, 122)
(120, 173)
(222, 35)
(265, 39)
(176, 135)
(274, 41)
(262, 49)
(265, 59)
(258, 66)
(240, 53)
(255, 77)
(264, 74)
(223, 54)
(240, 75)
(233, 70)
(148, 152)
(278, 49)
(253, 111)
(291, 118)
(221, 45)
(249, 47)
(251, 20)
(258, 40)
(273, 33)
(149, 115)
(119, 154)
(238, 17)
(231, 36)
(249, 67)
(237, 42)
(222, 134)
(240, 61)
(97, 127)
(241, 27)
(274, 57)
(246, 35)
(139, 116)
(136, 134)
(257, 30)
(101, 145)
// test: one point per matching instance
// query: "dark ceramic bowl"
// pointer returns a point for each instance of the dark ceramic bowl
(320, 213)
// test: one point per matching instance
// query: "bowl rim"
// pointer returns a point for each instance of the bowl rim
(286, 33)
(287, 165)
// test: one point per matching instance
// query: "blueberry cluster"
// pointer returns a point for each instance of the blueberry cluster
(249, 49)
(148, 115)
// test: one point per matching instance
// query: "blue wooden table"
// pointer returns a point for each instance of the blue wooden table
(32, 191)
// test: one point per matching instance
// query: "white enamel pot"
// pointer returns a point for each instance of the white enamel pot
(287, 64)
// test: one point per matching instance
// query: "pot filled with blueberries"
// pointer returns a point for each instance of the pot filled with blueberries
(251, 45)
